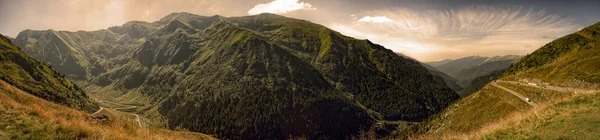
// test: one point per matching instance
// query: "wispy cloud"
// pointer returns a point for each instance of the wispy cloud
(280, 7)
(377, 19)
(475, 30)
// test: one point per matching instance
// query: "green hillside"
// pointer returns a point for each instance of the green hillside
(39, 79)
(25, 116)
(558, 78)
(570, 58)
(256, 77)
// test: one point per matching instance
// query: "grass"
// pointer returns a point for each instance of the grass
(570, 61)
(23, 116)
(474, 112)
(537, 95)
(576, 118)
(558, 116)
(39, 79)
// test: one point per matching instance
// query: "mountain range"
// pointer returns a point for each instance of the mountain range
(254, 77)
(472, 73)
(272, 77)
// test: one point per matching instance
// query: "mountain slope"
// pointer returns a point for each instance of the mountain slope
(449, 80)
(28, 117)
(568, 63)
(39, 79)
(472, 73)
(570, 58)
(254, 77)
(484, 69)
(473, 79)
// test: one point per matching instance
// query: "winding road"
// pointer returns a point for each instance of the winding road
(101, 108)
(494, 83)
(137, 117)
(548, 87)
(555, 88)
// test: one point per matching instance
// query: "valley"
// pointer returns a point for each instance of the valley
(299, 69)
(203, 73)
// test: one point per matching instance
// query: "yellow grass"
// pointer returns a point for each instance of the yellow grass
(23, 116)
(533, 122)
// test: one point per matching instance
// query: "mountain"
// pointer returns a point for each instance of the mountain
(472, 79)
(572, 57)
(11, 39)
(449, 80)
(25, 116)
(37, 102)
(454, 67)
(39, 79)
(438, 63)
(471, 72)
(255, 77)
(561, 81)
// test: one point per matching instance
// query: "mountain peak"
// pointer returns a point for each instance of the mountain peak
(182, 16)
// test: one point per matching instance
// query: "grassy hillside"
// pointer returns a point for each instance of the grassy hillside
(568, 62)
(570, 58)
(472, 113)
(23, 116)
(491, 110)
(40, 79)
(576, 118)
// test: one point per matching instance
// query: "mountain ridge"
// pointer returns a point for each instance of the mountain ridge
(294, 68)
(39, 79)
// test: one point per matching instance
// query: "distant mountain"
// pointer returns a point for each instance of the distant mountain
(454, 67)
(467, 70)
(38, 79)
(475, 78)
(438, 63)
(449, 80)
(253, 77)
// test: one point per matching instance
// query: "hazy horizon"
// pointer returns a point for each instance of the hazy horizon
(427, 30)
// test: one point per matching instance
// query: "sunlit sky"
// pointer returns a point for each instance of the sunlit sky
(427, 30)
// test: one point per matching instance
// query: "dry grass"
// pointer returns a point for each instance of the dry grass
(23, 116)
(561, 117)
(537, 95)
(473, 112)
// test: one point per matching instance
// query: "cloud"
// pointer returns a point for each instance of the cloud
(377, 19)
(453, 33)
(280, 7)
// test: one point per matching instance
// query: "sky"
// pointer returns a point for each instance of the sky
(427, 30)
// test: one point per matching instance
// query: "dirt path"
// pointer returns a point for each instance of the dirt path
(101, 108)
(555, 88)
(515, 93)
(137, 117)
